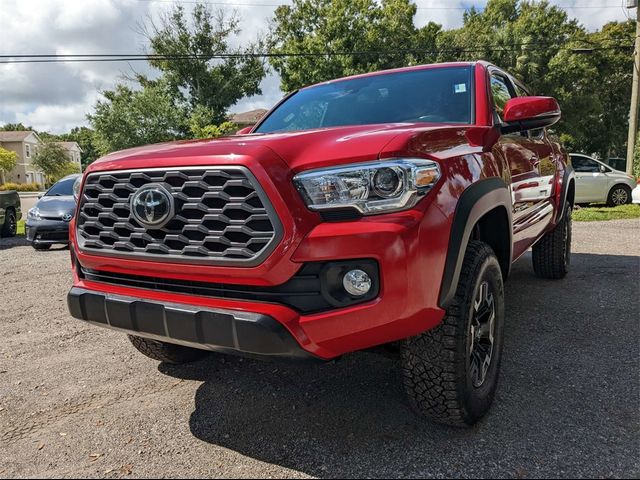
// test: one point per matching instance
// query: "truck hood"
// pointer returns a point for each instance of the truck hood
(299, 150)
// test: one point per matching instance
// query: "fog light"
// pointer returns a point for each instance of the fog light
(356, 282)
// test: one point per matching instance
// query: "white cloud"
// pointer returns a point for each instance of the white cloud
(57, 97)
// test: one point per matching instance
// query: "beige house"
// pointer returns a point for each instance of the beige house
(74, 152)
(25, 144)
(248, 119)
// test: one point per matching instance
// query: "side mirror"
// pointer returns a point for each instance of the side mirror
(245, 130)
(528, 113)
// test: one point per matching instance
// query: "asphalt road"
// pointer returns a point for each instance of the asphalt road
(77, 400)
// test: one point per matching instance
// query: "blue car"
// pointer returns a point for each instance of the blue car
(48, 221)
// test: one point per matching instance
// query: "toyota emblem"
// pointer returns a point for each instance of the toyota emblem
(152, 206)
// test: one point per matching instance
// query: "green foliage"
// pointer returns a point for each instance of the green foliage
(201, 126)
(8, 159)
(21, 187)
(198, 78)
(128, 118)
(14, 127)
(319, 26)
(598, 213)
(52, 159)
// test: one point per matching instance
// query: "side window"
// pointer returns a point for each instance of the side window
(27, 148)
(583, 164)
(501, 94)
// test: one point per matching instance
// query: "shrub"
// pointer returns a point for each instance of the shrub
(22, 187)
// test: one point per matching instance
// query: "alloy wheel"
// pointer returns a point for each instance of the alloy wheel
(481, 334)
(619, 196)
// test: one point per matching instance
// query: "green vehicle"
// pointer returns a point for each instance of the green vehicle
(10, 213)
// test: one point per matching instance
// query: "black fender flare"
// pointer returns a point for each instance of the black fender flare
(568, 177)
(475, 202)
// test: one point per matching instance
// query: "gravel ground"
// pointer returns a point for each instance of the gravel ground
(77, 400)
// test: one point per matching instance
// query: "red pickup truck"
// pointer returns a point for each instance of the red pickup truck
(382, 209)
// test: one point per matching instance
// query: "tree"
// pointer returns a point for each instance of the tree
(196, 75)
(52, 159)
(15, 127)
(8, 161)
(128, 118)
(342, 26)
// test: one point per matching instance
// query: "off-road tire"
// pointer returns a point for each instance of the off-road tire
(436, 364)
(552, 254)
(166, 352)
(619, 195)
(10, 225)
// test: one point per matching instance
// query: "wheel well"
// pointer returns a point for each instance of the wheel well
(495, 230)
(620, 185)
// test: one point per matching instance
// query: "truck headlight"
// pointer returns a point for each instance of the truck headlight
(33, 214)
(370, 188)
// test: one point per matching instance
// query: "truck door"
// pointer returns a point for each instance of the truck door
(533, 167)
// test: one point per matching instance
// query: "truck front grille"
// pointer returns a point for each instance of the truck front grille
(220, 215)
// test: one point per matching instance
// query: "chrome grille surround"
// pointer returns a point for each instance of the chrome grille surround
(222, 217)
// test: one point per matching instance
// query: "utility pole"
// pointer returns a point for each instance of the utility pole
(633, 112)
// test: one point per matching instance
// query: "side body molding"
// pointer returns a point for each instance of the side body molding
(475, 202)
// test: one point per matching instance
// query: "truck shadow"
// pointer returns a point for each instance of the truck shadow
(11, 242)
(569, 345)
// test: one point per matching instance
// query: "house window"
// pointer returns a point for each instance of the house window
(27, 150)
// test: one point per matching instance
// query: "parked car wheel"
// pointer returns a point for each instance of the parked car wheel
(619, 195)
(166, 352)
(451, 372)
(551, 256)
(10, 226)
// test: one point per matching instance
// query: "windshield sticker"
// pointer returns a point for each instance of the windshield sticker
(460, 88)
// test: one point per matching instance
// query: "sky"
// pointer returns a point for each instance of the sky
(57, 97)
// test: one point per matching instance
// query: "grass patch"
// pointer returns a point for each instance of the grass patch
(21, 227)
(601, 212)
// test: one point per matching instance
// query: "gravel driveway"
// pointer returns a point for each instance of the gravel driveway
(77, 400)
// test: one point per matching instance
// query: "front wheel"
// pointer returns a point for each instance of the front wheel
(619, 195)
(166, 352)
(451, 372)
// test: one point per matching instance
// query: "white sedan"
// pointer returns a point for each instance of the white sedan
(597, 182)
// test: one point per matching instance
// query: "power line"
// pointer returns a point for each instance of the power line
(430, 7)
(8, 59)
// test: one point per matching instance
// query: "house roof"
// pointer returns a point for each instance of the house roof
(69, 145)
(14, 136)
(252, 116)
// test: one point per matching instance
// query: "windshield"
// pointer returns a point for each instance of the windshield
(63, 187)
(438, 95)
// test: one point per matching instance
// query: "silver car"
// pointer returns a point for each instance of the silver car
(48, 221)
(597, 182)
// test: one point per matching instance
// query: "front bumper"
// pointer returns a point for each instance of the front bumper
(47, 232)
(193, 326)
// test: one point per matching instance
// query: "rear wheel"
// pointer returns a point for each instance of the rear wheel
(619, 195)
(166, 352)
(451, 372)
(552, 254)
(10, 226)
